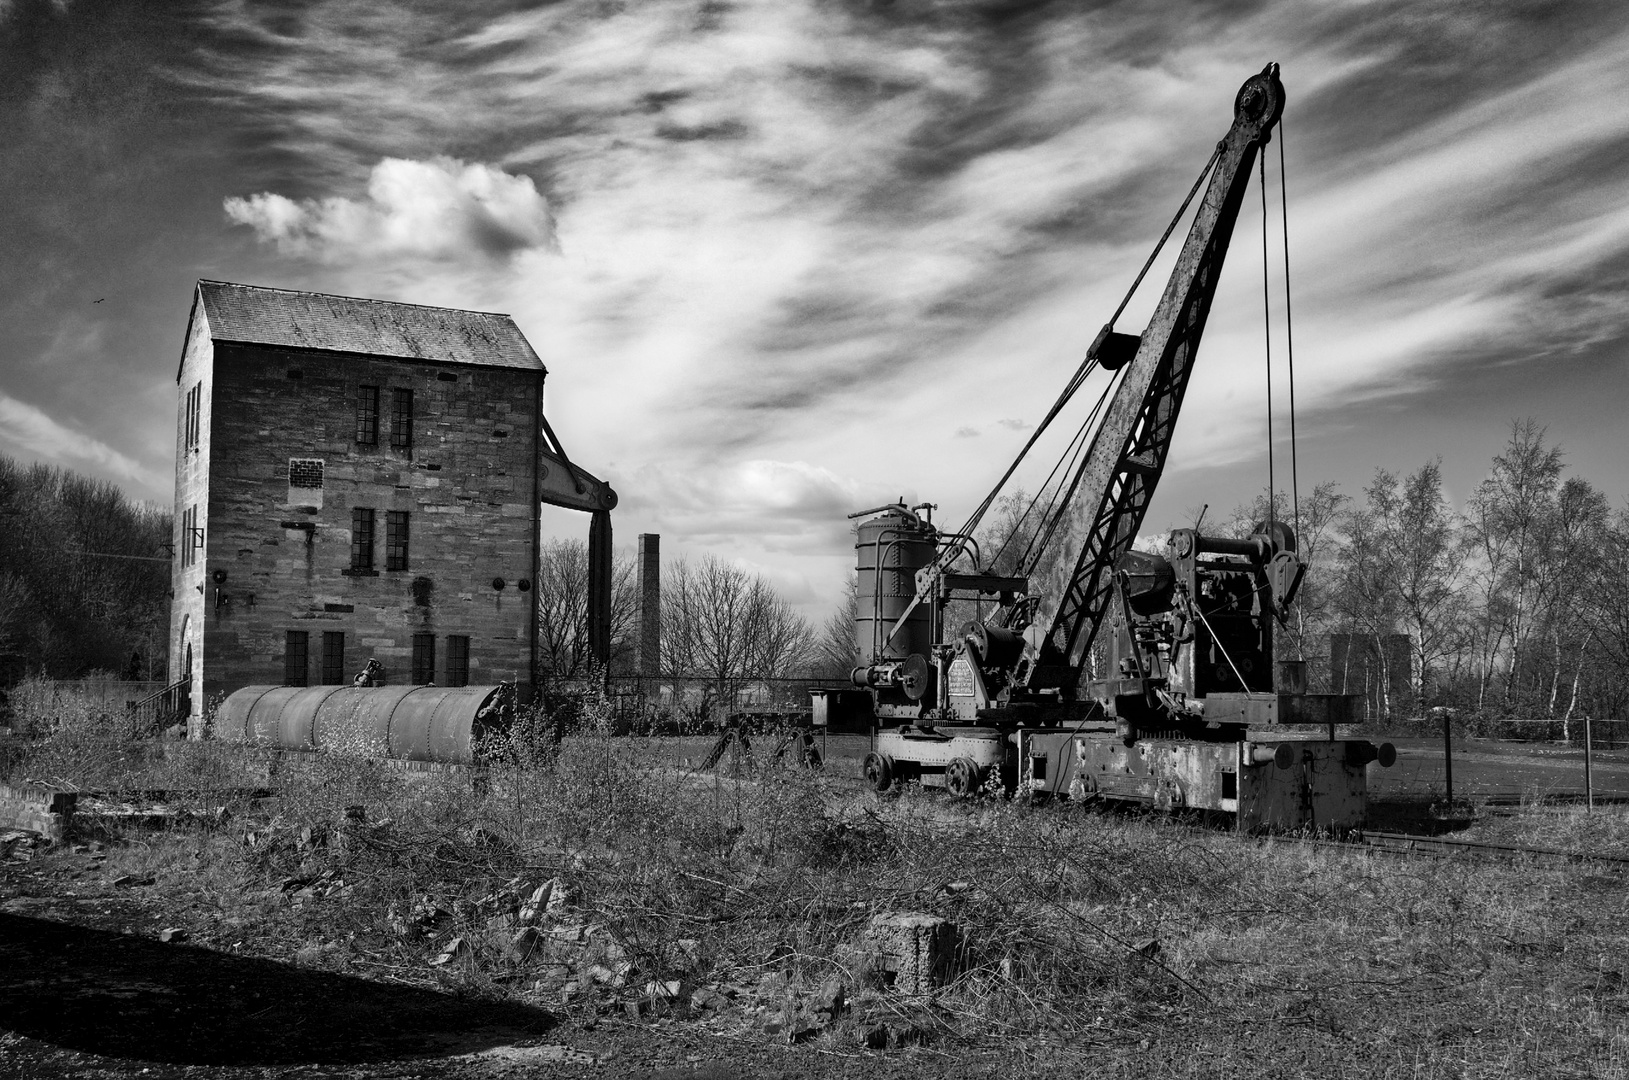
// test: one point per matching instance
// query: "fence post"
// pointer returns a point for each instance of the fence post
(1589, 779)
(1448, 757)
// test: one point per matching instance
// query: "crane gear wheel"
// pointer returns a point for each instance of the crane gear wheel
(879, 772)
(963, 778)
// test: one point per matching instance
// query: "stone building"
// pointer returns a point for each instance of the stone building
(359, 480)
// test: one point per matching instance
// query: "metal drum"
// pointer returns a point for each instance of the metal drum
(418, 723)
(890, 548)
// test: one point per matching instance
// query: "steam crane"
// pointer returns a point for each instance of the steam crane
(1189, 705)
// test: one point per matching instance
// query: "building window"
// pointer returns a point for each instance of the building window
(457, 660)
(395, 539)
(367, 415)
(296, 658)
(333, 658)
(424, 659)
(401, 419)
(191, 538)
(361, 539)
(192, 427)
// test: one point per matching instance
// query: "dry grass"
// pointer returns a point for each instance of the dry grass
(1127, 945)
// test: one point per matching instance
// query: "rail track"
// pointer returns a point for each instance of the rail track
(1440, 847)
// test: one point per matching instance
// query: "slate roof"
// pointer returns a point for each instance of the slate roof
(307, 320)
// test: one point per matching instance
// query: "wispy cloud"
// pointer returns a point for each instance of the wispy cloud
(30, 430)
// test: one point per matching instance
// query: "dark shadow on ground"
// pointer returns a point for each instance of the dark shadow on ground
(119, 995)
(1421, 815)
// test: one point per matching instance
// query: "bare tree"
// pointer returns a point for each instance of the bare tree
(837, 651)
(721, 623)
(562, 608)
(1508, 519)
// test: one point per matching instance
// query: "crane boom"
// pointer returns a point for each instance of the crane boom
(1129, 449)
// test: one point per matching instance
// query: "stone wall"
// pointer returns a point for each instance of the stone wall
(36, 808)
(280, 560)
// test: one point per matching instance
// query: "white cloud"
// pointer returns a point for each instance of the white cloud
(437, 209)
(31, 430)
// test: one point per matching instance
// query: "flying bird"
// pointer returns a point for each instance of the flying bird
(98, 301)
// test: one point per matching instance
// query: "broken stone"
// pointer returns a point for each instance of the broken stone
(708, 999)
(538, 903)
(526, 939)
(171, 933)
(603, 975)
(828, 1003)
(918, 950)
(665, 989)
(688, 950)
(1148, 947)
(454, 949)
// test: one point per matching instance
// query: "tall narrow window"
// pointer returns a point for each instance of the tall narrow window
(457, 660)
(333, 658)
(297, 658)
(395, 539)
(361, 539)
(190, 426)
(191, 536)
(424, 659)
(401, 419)
(367, 415)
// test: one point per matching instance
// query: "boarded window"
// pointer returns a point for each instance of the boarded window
(296, 658)
(367, 415)
(401, 419)
(457, 660)
(424, 659)
(361, 539)
(396, 540)
(333, 658)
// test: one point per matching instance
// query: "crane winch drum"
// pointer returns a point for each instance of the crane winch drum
(890, 548)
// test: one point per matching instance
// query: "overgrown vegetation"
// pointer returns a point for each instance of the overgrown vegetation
(1133, 945)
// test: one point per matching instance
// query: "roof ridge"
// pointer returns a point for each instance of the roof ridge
(359, 299)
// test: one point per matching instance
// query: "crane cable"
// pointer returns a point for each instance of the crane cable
(1289, 324)
(1087, 366)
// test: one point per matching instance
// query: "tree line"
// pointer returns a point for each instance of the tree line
(76, 592)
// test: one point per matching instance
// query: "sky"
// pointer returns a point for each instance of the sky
(791, 259)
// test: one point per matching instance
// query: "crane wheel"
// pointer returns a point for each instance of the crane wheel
(879, 773)
(963, 778)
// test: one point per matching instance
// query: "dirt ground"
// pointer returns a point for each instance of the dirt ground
(92, 986)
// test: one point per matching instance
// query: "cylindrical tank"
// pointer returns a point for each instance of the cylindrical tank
(419, 723)
(889, 549)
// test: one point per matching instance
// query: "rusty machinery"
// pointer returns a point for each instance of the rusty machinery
(1189, 705)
